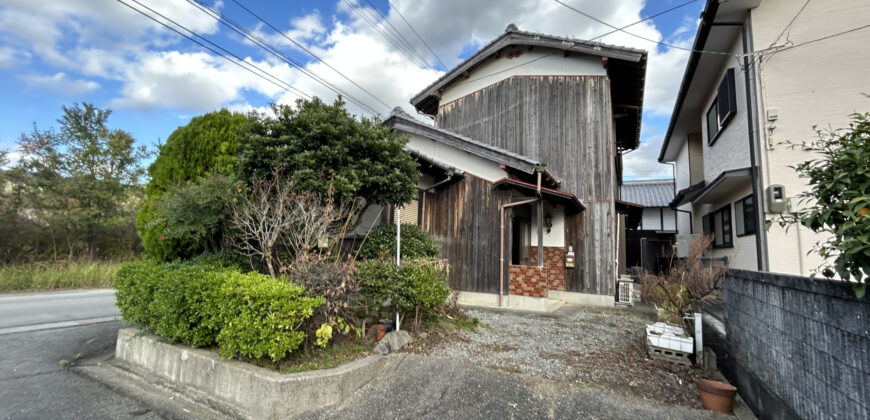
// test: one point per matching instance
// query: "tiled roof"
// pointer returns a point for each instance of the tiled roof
(649, 193)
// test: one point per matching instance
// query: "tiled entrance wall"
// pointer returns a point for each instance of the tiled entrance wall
(529, 280)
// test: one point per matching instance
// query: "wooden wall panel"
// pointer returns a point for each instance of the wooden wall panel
(566, 123)
(464, 218)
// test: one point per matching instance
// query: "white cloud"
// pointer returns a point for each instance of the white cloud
(643, 162)
(10, 57)
(60, 83)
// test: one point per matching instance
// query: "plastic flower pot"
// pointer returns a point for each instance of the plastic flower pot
(716, 396)
(382, 331)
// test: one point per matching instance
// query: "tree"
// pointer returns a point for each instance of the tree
(839, 199)
(322, 146)
(206, 145)
(82, 183)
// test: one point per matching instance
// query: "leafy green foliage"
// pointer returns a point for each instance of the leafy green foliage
(315, 142)
(207, 145)
(78, 188)
(259, 316)
(201, 303)
(195, 212)
(839, 195)
(416, 243)
(420, 283)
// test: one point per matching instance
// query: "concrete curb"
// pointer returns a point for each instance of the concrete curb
(252, 391)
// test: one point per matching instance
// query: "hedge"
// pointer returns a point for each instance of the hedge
(203, 303)
(416, 243)
(418, 283)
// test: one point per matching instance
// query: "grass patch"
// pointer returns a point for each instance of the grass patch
(453, 324)
(57, 275)
(330, 357)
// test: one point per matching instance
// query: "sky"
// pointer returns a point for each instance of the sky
(101, 51)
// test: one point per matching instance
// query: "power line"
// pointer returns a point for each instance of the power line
(642, 37)
(283, 57)
(374, 25)
(274, 80)
(397, 33)
(647, 18)
(309, 52)
(418, 35)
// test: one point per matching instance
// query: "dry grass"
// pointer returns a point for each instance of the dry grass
(57, 275)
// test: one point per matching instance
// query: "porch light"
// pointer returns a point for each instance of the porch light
(548, 222)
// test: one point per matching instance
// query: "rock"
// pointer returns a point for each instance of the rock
(394, 342)
(382, 348)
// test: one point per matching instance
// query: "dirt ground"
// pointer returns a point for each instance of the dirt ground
(580, 346)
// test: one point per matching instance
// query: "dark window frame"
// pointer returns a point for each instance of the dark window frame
(725, 105)
(727, 225)
(749, 223)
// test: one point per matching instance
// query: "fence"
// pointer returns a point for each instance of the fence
(798, 346)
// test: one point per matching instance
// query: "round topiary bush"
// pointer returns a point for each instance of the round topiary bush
(416, 243)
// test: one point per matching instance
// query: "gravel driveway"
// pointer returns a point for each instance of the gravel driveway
(584, 347)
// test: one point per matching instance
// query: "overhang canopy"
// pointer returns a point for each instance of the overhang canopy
(570, 201)
(723, 185)
(686, 195)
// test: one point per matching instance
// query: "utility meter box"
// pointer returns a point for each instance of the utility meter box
(775, 200)
(569, 257)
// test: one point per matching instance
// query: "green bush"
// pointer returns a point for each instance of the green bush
(203, 302)
(206, 145)
(416, 243)
(419, 283)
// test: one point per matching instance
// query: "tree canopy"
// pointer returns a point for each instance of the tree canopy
(205, 146)
(315, 143)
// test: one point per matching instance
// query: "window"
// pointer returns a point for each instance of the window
(724, 106)
(718, 223)
(744, 216)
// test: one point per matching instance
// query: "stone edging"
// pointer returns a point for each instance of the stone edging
(251, 390)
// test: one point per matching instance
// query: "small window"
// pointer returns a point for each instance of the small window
(718, 223)
(744, 216)
(724, 106)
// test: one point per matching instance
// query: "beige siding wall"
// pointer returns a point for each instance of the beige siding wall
(815, 84)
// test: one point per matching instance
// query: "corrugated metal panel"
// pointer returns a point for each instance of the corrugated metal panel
(649, 193)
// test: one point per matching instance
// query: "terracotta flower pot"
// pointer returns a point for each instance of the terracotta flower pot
(716, 396)
(382, 331)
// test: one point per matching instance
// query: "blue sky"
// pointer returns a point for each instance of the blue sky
(100, 51)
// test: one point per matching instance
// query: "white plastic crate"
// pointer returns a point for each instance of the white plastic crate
(626, 291)
(669, 342)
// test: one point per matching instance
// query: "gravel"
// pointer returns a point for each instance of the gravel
(582, 346)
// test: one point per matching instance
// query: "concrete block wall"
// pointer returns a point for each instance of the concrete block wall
(806, 343)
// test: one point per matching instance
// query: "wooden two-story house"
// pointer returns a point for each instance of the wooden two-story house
(522, 166)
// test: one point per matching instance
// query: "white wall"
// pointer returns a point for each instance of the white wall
(457, 158)
(556, 237)
(816, 84)
(651, 219)
(742, 255)
(549, 62)
(669, 219)
(731, 147)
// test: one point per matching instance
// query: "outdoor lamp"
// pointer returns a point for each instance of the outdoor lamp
(548, 222)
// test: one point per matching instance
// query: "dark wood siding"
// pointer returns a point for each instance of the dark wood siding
(464, 217)
(566, 123)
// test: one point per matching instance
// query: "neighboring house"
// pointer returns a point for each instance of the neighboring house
(523, 165)
(649, 244)
(734, 110)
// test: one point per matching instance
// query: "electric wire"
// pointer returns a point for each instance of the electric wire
(397, 33)
(309, 52)
(263, 75)
(418, 34)
(278, 54)
(643, 37)
(377, 29)
(646, 18)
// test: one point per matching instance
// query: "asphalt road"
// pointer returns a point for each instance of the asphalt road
(28, 309)
(41, 338)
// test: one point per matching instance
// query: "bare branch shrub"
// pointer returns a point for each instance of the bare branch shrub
(686, 284)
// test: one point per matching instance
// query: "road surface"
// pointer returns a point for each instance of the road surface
(30, 311)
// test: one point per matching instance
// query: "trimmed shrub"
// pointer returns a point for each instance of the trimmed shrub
(202, 303)
(416, 243)
(420, 283)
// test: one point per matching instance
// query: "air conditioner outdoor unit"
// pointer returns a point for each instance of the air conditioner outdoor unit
(626, 289)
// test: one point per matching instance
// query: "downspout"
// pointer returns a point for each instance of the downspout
(501, 251)
(426, 191)
(541, 234)
(751, 128)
